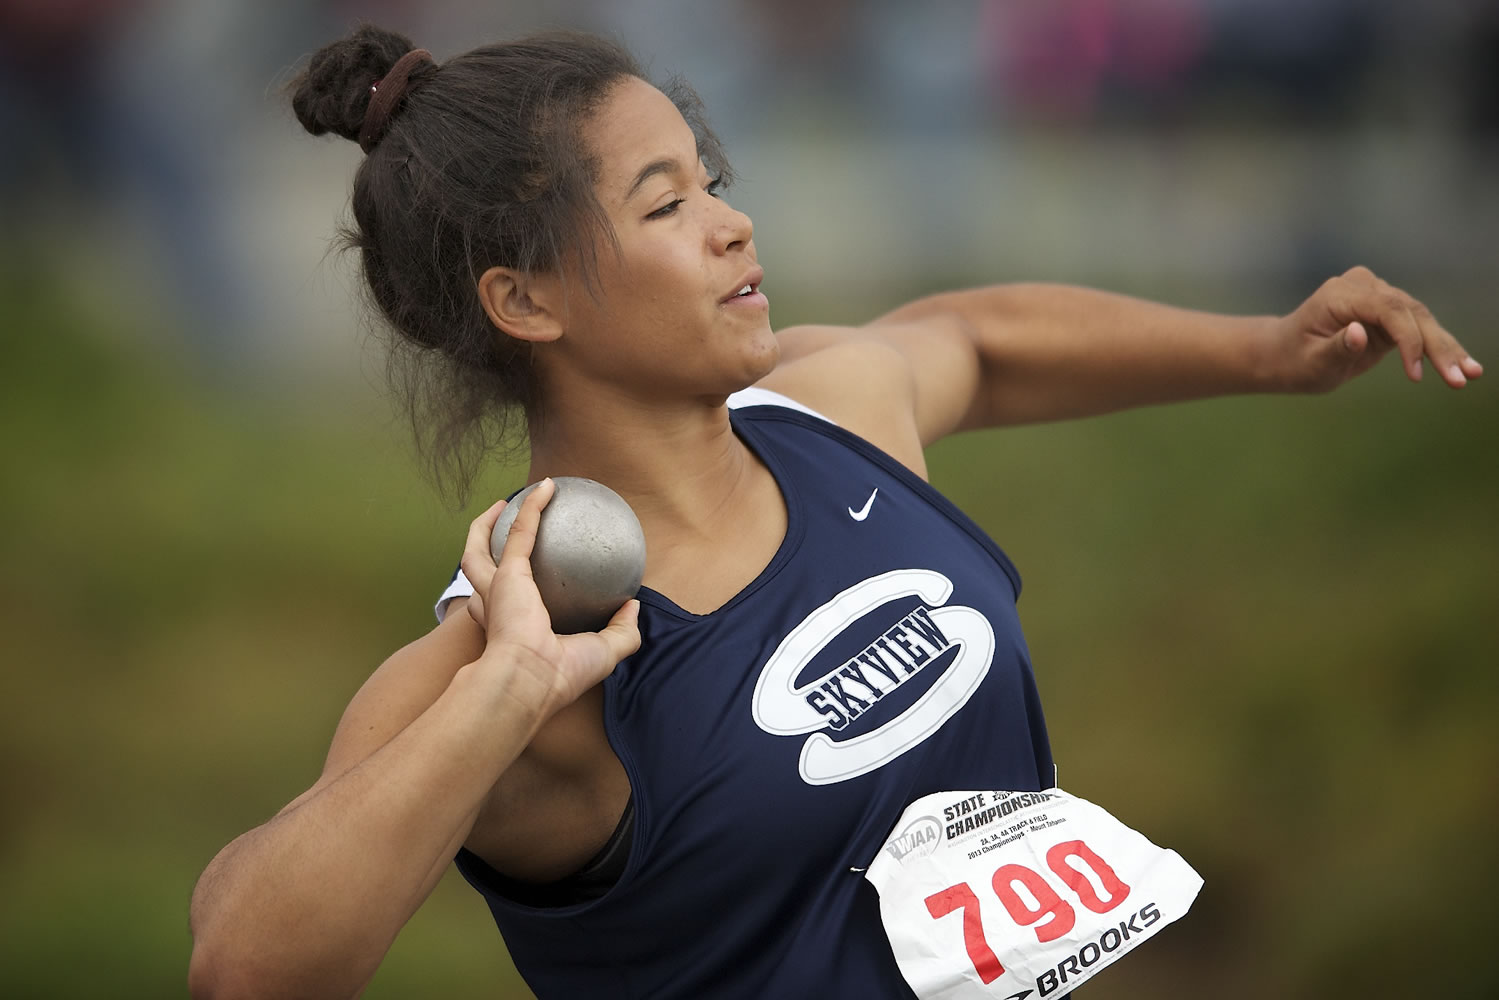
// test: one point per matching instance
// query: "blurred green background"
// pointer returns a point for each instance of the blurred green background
(1265, 628)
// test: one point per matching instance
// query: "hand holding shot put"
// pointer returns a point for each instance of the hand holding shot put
(552, 669)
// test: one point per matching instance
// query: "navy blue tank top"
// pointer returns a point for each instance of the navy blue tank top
(772, 744)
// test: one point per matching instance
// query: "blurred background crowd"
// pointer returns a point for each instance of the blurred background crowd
(212, 527)
(1184, 140)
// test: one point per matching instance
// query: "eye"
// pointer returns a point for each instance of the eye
(665, 210)
(714, 189)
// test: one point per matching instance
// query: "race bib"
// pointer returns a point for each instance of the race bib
(1020, 895)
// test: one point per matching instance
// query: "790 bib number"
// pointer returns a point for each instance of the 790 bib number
(1045, 902)
(1099, 883)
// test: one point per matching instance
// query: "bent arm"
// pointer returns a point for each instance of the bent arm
(309, 903)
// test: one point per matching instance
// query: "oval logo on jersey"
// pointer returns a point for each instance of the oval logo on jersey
(890, 658)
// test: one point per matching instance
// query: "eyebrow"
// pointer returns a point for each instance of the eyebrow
(665, 165)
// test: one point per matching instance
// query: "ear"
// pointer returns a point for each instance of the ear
(522, 306)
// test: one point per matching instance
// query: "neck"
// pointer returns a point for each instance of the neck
(677, 464)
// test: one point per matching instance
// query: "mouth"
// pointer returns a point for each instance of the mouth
(748, 287)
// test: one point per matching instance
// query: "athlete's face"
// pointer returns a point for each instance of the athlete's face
(668, 316)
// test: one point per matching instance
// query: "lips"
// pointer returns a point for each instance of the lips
(747, 285)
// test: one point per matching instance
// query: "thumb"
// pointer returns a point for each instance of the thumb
(1353, 338)
(475, 608)
(622, 635)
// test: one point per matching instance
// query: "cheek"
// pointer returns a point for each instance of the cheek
(663, 279)
(639, 310)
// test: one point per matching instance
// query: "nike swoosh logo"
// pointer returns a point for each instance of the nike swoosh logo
(863, 512)
(1020, 996)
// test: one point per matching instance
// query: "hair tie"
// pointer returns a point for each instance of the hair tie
(385, 94)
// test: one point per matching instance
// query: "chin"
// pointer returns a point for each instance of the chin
(755, 355)
(766, 358)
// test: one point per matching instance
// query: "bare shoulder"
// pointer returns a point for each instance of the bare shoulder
(898, 385)
(857, 381)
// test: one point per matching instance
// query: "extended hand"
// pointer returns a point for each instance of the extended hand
(1350, 323)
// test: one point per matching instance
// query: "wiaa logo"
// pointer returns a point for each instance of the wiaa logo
(919, 838)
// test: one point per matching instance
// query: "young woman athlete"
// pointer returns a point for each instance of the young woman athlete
(672, 806)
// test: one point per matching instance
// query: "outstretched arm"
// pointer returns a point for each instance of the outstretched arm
(1011, 354)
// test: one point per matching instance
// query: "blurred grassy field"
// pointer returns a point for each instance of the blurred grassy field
(1265, 629)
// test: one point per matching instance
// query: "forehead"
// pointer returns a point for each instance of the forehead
(636, 125)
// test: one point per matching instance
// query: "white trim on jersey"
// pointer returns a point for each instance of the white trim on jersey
(460, 587)
(753, 396)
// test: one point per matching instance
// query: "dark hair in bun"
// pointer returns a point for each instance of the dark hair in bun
(333, 94)
(481, 164)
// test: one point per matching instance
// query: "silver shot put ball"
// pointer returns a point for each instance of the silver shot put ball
(589, 555)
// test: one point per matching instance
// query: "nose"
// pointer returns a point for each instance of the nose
(732, 229)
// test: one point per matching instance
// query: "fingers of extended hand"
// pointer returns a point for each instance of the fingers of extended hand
(1389, 309)
(1449, 358)
(1407, 322)
(1452, 362)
